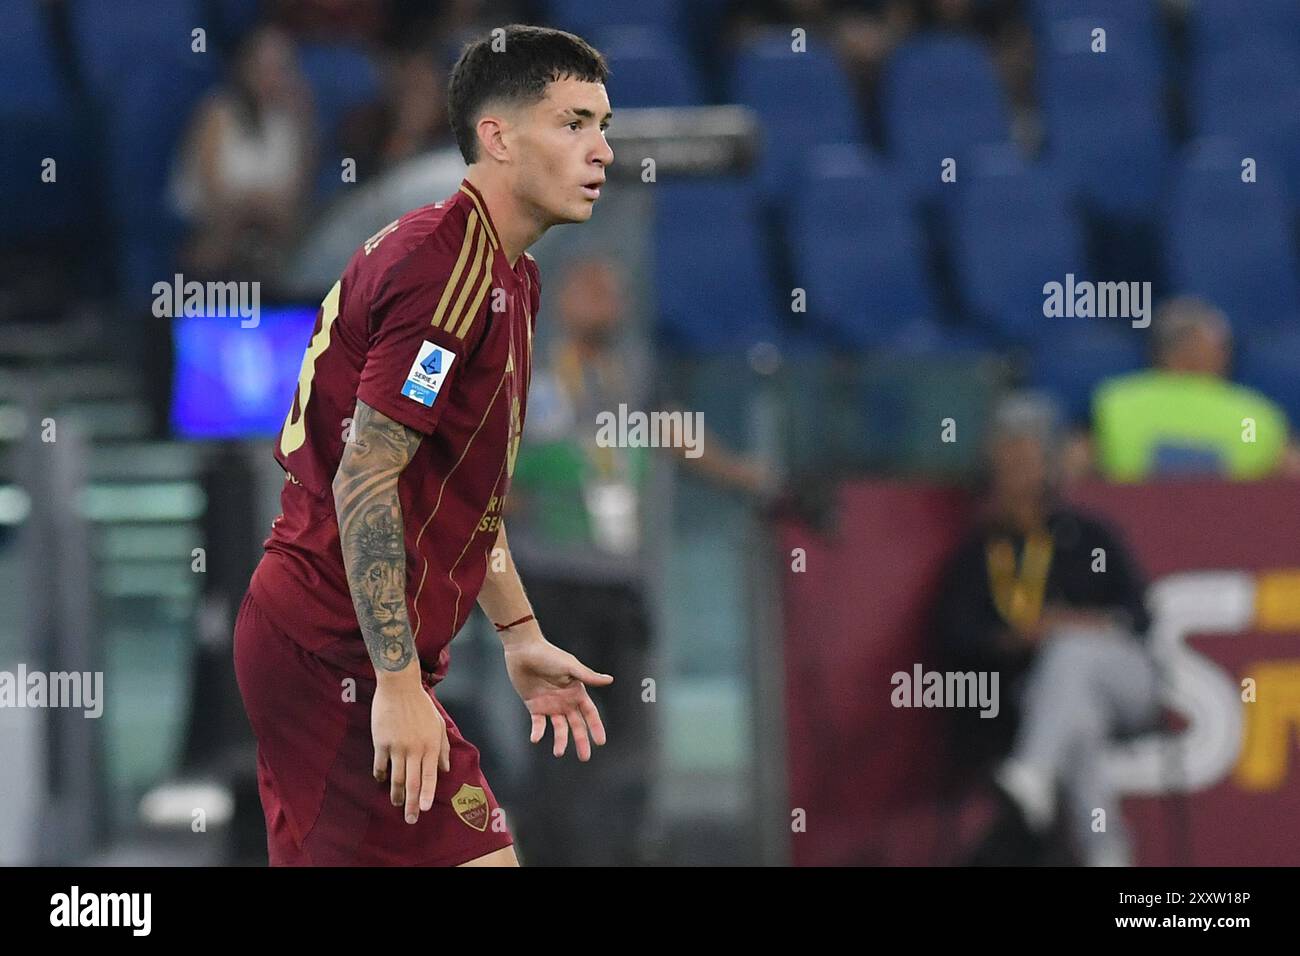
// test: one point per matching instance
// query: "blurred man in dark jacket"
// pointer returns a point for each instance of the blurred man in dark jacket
(1051, 599)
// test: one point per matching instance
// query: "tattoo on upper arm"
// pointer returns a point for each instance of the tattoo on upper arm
(371, 532)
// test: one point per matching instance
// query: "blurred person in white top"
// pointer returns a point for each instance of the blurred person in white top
(246, 165)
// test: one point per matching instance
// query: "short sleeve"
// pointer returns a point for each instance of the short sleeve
(412, 365)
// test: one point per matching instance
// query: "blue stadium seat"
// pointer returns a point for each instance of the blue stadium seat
(1071, 362)
(1215, 25)
(342, 77)
(1269, 362)
(1134, 28)
(32, 84)
(152, 105)
(712, 279)
(584, 17)
(1145, 12)
(1013, 234)
(1252, 94)
(803, 99)
(1232, 242)
(940, 98)
(112, 34)
(648, 67)
(1220, 157)
(859, 251)
(1106, 129)
(145, 80)
(38, 116)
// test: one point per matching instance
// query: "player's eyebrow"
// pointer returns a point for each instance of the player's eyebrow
(586, 113)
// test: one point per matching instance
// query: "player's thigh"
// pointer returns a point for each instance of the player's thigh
(502, 857)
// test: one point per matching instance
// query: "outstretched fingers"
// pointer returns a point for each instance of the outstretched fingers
(580, 740)
(561, 734)
(592, 716)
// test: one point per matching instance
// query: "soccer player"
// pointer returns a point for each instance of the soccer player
(398, 450)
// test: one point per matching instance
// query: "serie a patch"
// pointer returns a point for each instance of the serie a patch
(428, 371)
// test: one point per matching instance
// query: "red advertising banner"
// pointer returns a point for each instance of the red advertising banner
(1221, 788)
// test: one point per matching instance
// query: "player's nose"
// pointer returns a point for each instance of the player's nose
(604, 153)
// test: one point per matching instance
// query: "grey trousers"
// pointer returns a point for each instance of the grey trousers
(1086, 686)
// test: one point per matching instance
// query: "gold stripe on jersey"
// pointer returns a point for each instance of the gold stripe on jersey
(438, 504)
(466, 322)
(457, 313)
(482, 212)
(451, 575)
(528, 320)
(465, 246)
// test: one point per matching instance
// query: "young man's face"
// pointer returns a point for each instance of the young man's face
(560, 150)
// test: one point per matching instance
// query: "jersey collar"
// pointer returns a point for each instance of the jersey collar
(480, 204)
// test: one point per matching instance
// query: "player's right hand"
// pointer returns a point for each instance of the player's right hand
(410, 735)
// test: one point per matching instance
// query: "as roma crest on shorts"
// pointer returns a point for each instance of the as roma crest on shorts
(471, 805)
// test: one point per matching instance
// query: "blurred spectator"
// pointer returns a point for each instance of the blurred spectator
(245, 166)
(1051, 600)
(592, 367)
(1183, 416)
(411, 119)
(577, 514)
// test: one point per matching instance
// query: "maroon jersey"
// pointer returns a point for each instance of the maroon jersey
(431, 326)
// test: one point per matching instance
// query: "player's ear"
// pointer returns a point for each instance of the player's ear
(491, 139)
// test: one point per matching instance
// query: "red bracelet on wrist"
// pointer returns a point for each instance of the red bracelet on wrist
(506, 627)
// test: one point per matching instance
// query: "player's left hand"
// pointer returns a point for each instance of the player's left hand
(553, 683)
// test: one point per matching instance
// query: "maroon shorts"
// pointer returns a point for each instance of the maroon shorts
(315, 755)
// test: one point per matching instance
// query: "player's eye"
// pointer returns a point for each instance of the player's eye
(575, 124)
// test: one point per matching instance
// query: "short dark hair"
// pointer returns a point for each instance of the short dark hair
(525, 59)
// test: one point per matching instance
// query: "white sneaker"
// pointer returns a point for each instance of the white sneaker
(1032, 790)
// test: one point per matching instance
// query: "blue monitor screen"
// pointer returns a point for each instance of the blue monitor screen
(235, 382)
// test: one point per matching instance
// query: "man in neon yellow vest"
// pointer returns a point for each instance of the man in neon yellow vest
(1184, 416)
